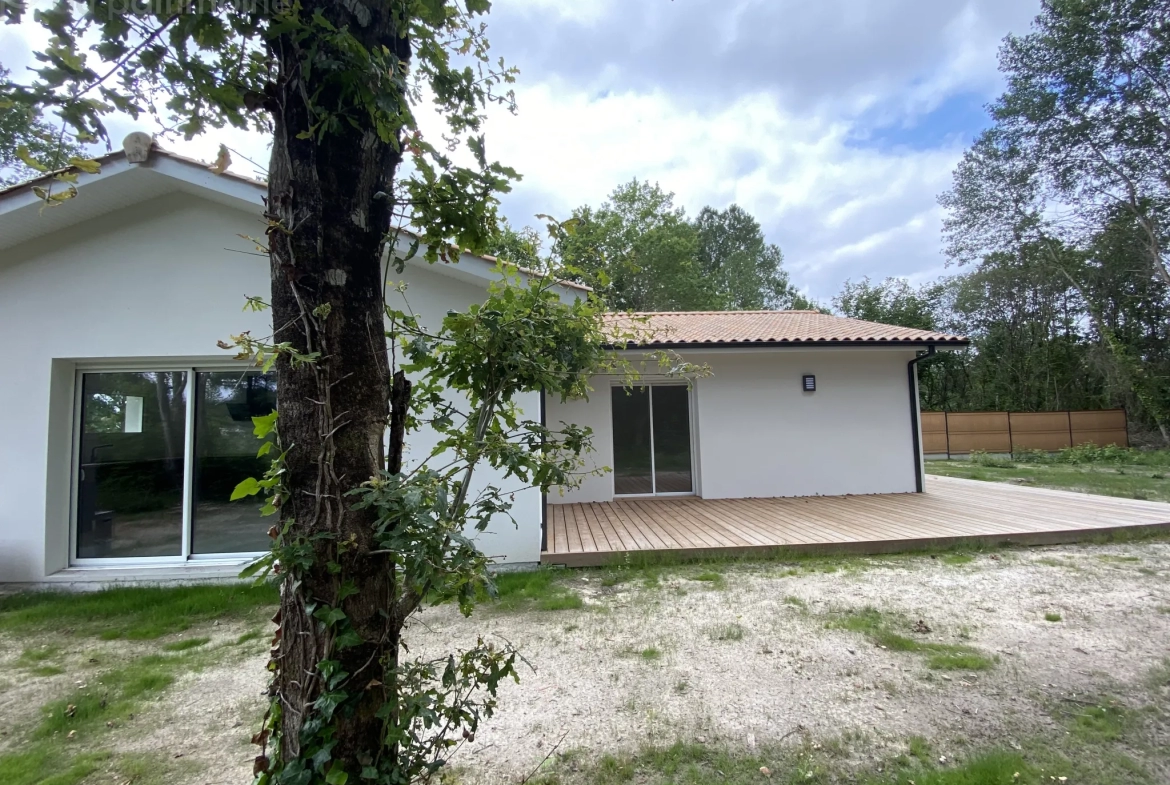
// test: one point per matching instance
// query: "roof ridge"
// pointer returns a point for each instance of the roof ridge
(713, 313)
(699, 328)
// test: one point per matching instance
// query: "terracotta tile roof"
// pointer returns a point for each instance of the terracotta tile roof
(768, 327)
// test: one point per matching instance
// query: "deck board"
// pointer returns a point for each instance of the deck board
(951, 510)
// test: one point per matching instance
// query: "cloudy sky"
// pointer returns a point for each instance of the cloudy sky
(835, 122)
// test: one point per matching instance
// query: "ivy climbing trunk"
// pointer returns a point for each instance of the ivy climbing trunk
(328, 211)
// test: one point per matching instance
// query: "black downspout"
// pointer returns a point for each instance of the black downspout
(914, 414)
(543, 495)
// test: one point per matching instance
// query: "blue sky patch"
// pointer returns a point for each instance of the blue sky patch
(960, 117)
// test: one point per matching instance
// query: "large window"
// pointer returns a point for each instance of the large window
(158, 454)
(652, 440)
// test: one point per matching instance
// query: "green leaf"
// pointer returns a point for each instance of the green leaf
(248, 487)
(336, 776)
(264, 449)
(264, 425)
(26, 158)
(87, 165)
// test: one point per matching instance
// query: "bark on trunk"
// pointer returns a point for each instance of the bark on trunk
(328, 224)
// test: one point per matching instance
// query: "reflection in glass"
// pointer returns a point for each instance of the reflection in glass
(225, 454)
(130, 477)
(631, 441)
(672, 439)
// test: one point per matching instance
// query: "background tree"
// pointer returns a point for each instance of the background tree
(360, 539)
(642, 253)
(25, 135)
(638, 250)
(518, 246)
(1078, 148)
(744, 271)
(1088, 101)
(893, 301)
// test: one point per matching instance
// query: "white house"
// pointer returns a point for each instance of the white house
(125, 428)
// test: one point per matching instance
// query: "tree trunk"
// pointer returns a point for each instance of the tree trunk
(329, 214)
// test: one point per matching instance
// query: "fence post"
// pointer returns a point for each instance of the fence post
(1071, 443)
(947, 431)
(1011, 441)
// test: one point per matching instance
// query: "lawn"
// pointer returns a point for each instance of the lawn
(1129, 474)
(931, 668)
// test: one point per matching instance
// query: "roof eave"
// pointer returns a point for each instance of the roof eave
(910, 343)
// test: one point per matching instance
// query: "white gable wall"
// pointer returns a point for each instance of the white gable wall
(757, 434)
(157, 283)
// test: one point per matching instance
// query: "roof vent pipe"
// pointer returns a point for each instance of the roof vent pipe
(137, 147)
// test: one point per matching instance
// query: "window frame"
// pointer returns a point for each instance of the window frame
(145, 366)
(692, 436)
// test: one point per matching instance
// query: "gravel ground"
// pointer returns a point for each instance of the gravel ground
(788, 676)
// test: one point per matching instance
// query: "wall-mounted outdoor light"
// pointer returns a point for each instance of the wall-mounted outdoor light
(809, 382)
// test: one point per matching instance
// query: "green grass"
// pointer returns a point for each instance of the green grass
(112, 697)
(84, 717)
(700, 764)
(134, 613)
(1130, 480)
(539, 589)
(710, 577)
(251, 635)
(651, 654)
(920, 749)
(1098, 722)
(29, 656)
(795, 601)
(46, 765)
(726, 632)
(883, 630)
(1051, 616)
(46, 670)
(185, 644)
(957, 558)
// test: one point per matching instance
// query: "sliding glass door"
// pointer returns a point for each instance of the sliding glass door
(132, 464)
(652, 440)
(158, 455)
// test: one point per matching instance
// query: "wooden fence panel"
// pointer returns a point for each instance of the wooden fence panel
(1048, 431)
(1100, 428)
(986, 431)
(934, 432)
(964, 432)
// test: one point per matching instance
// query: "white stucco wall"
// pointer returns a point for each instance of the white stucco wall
(157, 283)
(757, 434)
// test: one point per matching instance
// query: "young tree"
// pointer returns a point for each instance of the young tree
(361, 539)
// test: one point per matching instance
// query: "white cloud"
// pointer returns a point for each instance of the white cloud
(836, 210)
(773, 106)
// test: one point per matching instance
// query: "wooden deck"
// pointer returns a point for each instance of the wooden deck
(950, 511)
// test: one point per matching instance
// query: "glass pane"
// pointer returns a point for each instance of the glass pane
(130, 481)
(672, 440)
(631, 441)
(225, 454)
